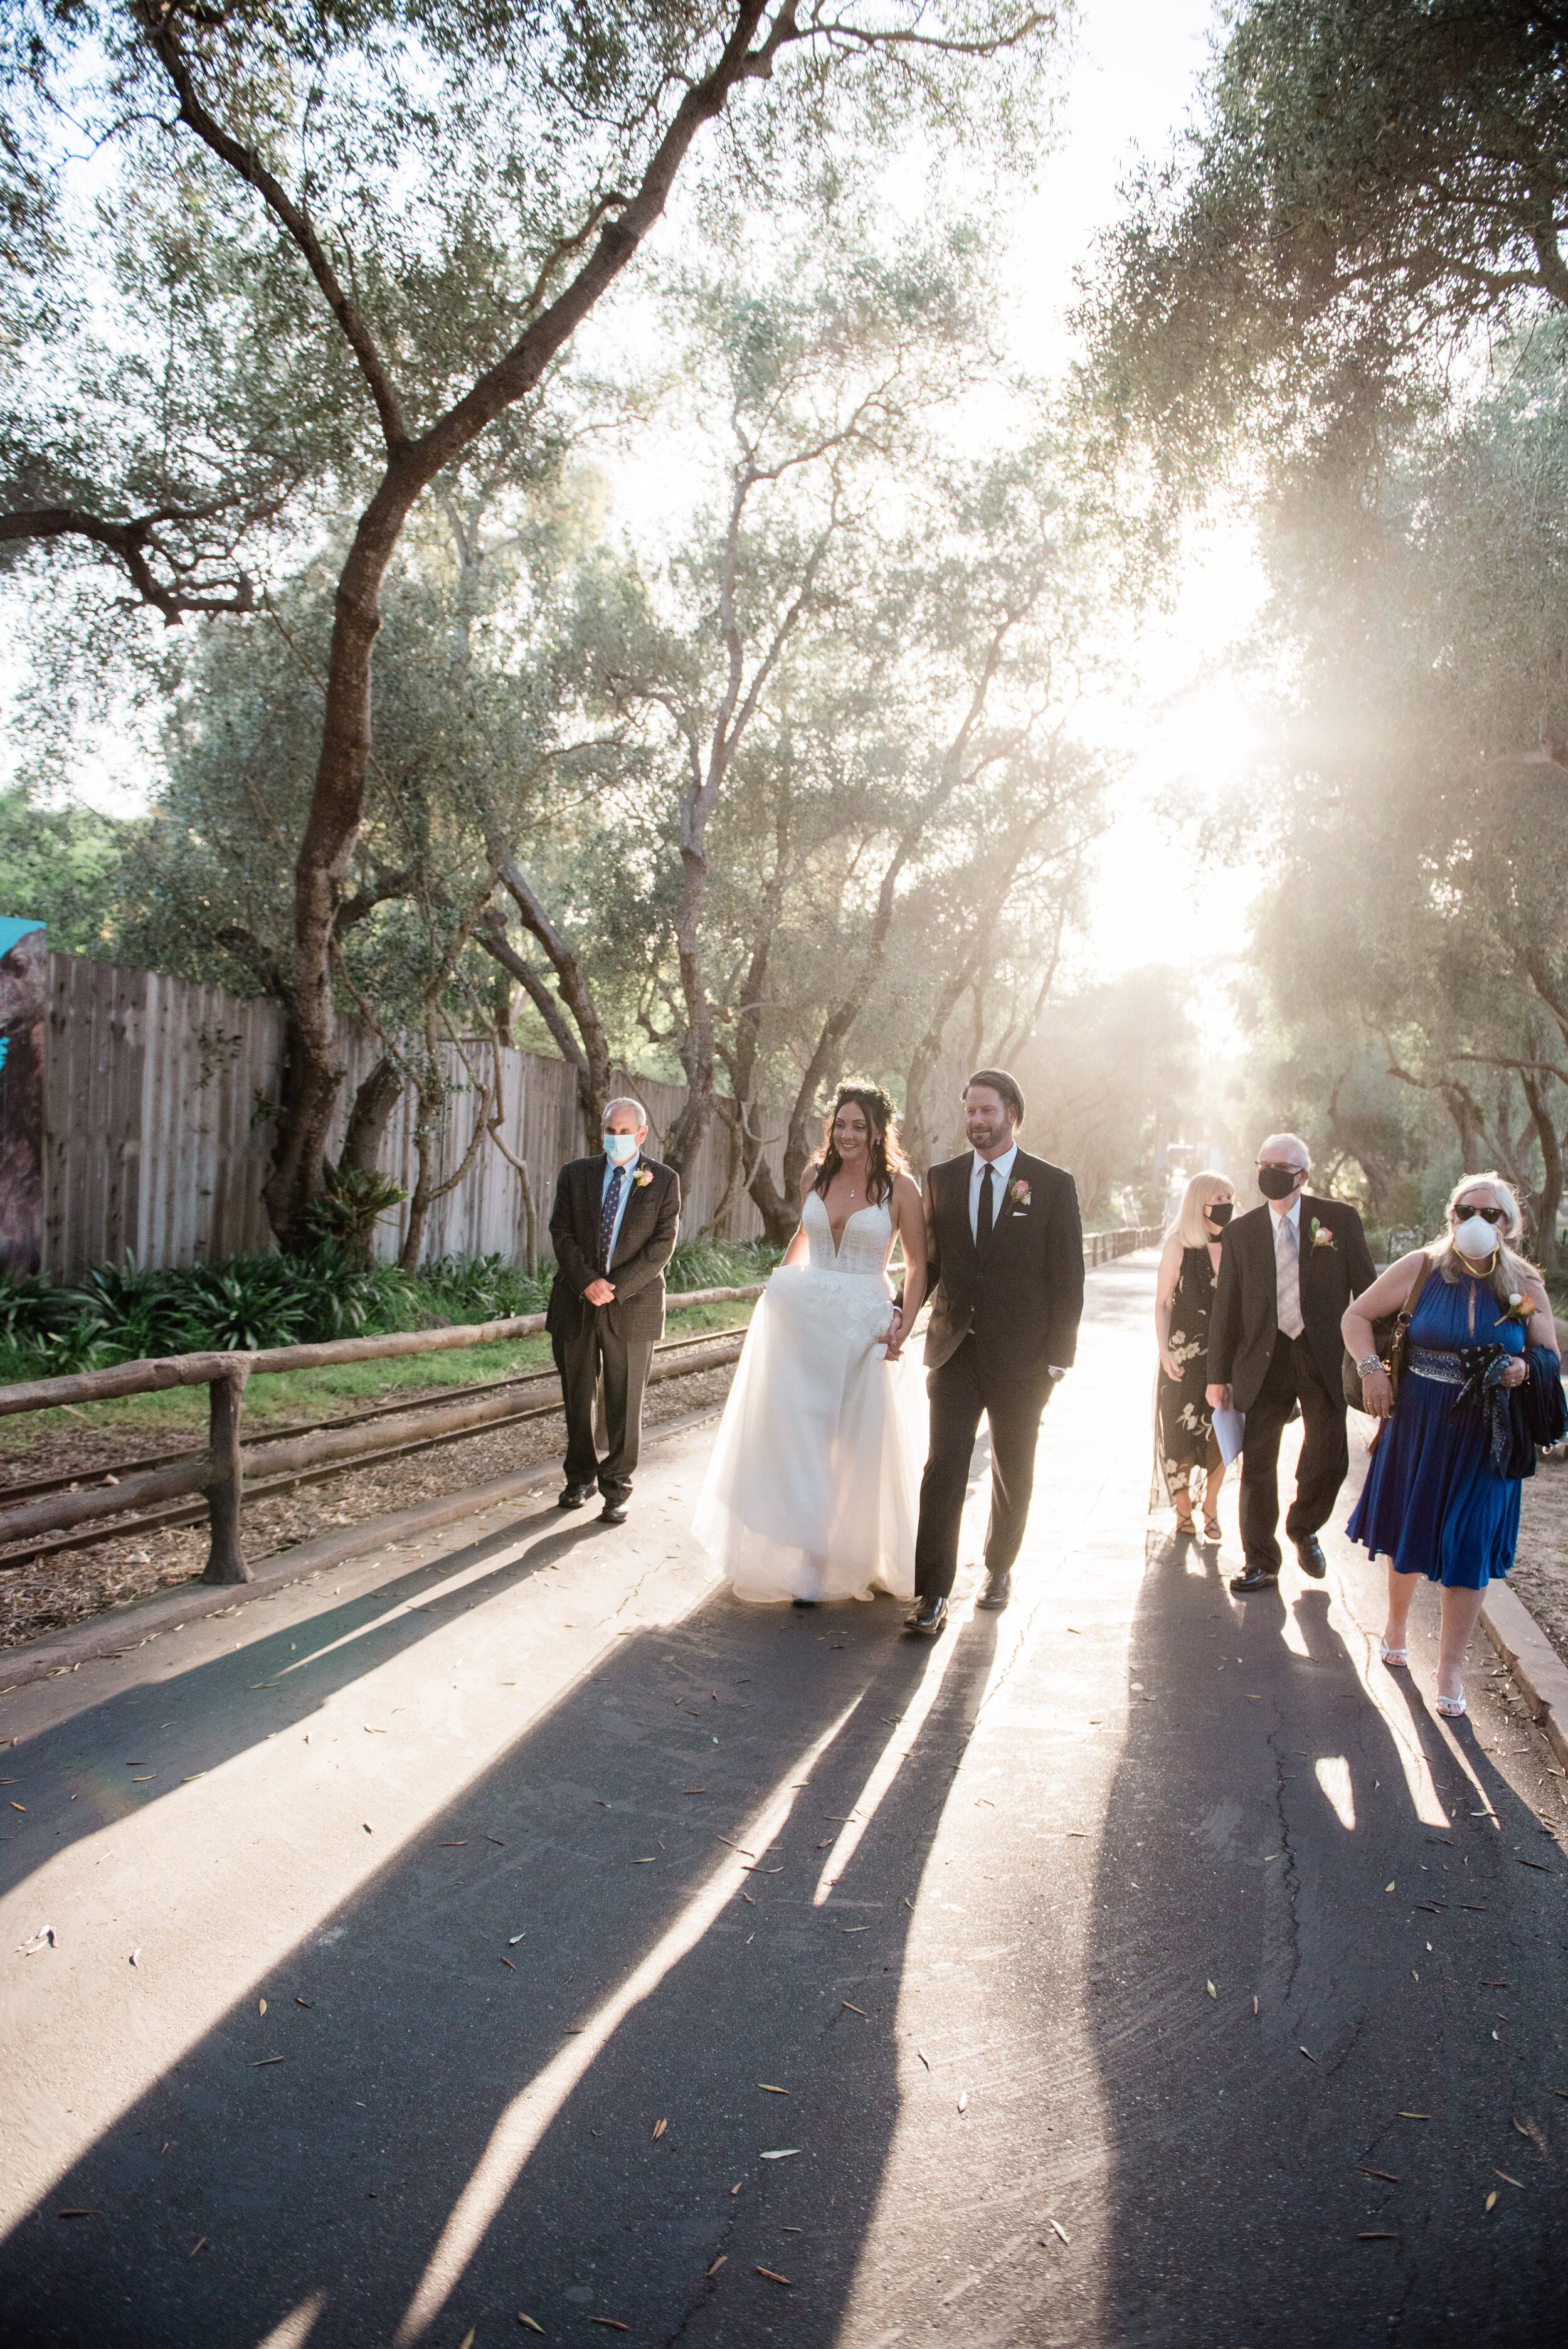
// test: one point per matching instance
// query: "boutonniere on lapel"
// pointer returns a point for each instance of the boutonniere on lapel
(1320, 1235)
(642, 1177)
(1018, 1192)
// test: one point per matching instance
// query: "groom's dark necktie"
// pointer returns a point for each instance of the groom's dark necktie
(607, 1214)
(987, 1214)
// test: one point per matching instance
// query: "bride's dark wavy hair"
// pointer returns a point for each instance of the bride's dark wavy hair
(885, 1154)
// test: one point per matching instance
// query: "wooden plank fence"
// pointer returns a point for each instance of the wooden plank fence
(157, 1137)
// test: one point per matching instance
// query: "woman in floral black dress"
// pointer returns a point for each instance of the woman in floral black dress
(1185, 1436)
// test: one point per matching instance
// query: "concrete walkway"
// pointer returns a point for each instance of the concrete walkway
(1143, 1967)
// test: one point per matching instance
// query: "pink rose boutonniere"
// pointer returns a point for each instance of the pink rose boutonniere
(1018, 1193)
(642, 1177)
(1320, 1233)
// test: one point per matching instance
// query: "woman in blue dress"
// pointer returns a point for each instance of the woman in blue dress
(1433, 1503)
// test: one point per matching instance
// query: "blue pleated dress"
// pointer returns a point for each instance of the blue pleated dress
(1431, 1500)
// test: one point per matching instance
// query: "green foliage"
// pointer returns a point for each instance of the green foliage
(719, 1264)
(353, 1201)
(482, 1288)
(63, 867)
(1372, 181)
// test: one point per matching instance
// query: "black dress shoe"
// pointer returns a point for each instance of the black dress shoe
(929, 1618)
(803, 1603)
(573, 1495)
(613, 1513)
(1309, 1556)
(998, 1589)
(1256, 1578)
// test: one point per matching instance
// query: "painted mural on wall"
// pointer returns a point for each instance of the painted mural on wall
(23, 966)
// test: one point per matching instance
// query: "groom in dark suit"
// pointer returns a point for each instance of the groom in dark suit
(613, 1227)
(1005, 1272)
(1287, 1271)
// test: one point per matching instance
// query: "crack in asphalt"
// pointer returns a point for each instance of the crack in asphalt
(1292, 1873)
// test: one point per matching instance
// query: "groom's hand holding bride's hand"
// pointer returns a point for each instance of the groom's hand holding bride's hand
(600, 1292)
(894, 1340)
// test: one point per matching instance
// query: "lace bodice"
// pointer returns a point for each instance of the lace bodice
(863, 1250)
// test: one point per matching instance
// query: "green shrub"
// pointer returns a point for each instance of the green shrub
(482, 1287)
(720, 1264)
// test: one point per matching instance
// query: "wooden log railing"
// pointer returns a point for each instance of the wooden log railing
(219, 1472)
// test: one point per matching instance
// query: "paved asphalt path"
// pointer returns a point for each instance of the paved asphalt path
(1104, 1955)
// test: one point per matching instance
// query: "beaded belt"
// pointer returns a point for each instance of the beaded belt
(1430, 1362)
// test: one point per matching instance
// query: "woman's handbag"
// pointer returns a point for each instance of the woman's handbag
(1391, 1338)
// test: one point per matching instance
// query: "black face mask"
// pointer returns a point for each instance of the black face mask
(1221, 1211)
(1277, 1181)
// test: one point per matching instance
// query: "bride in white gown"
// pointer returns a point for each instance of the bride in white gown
(811, 1493)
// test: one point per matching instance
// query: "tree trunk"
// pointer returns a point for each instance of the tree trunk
(1549, 1198)
(588, 1049)
(374, 1104)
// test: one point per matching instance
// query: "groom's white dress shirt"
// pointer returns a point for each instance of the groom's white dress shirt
(1002, 1169)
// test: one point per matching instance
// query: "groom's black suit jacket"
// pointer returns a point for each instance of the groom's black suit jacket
(1020, 1297)
(1244, 1320)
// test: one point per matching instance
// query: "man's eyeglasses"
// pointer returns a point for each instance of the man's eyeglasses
(1492, 1216)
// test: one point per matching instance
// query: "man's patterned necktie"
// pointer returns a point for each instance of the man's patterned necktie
(607, 1214)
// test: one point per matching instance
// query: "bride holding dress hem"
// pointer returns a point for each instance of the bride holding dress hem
(812, 1489)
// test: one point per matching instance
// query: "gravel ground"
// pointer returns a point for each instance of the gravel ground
(77, 1583)
(1540, 1573)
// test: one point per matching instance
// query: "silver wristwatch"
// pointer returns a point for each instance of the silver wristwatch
(1368, 1364)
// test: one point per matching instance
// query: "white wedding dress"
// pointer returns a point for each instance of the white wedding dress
(812, 1489)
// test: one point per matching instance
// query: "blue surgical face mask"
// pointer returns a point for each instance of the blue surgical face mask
(620, 1149)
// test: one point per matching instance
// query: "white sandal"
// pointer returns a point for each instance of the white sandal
(1453, 1707)
(1397, 1659)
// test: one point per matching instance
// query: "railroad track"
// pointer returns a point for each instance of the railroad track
(673, 1358)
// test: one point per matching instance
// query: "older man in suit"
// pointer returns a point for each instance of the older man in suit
(613, 1227)
(1005, 1266)
(1287, 1271)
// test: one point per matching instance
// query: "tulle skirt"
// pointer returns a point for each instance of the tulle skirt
(812, 1489)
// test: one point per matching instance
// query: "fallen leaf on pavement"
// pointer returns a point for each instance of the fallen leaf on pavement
(853, 2008)
(261, 2006)
(1212, 1990)
(659, 2129)
(524, 2318)
(1387, 2175)
(1508, 2181)
(1308, 2053)
(1382, 2237)
(75, 2214)
(304, 2001)
(963, 2101)
(1388, 1887)
(854, 1928)
(718, 2263)
(264, 2061)
(782, 2153)
(924, 2057)
(508, 1964)
(461, 1844)
(467, 2340)
(135, 1953)
(1490, 2200)
(610, 2323)
(1415, 2116)
(197, 2246)
(1058, 2229)
(772, 2275)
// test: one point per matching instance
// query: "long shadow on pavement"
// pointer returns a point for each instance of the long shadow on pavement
(220, 1710)
(322, 2184)
(1261, 1805)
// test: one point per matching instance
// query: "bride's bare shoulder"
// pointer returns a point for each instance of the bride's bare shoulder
(905, 1191)
(808, 1179)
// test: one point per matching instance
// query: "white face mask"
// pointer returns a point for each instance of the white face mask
(1476, 1239)
(620, 1149)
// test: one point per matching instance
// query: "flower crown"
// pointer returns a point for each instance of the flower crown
(883, 1101)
